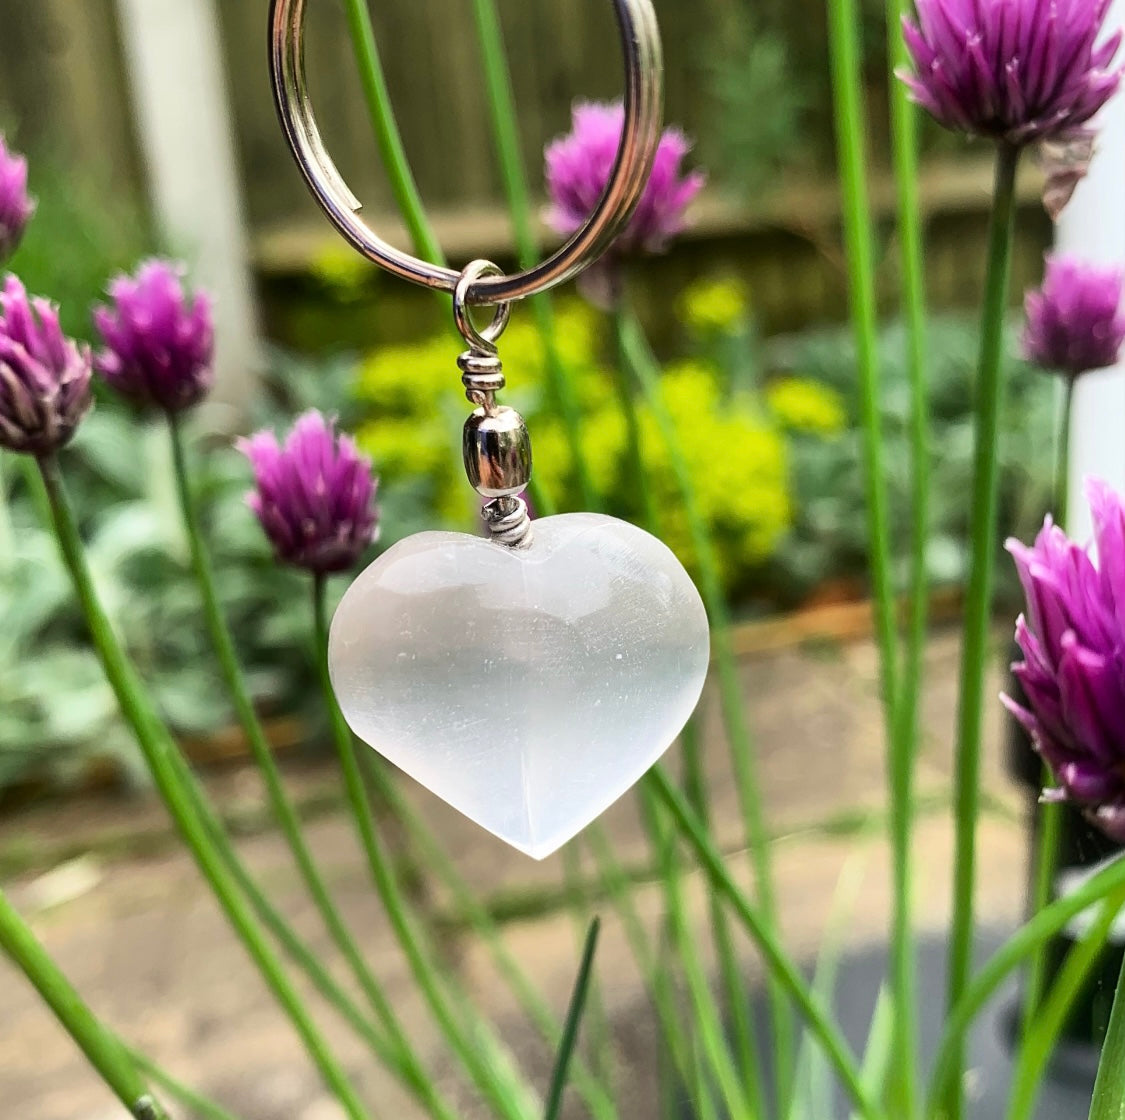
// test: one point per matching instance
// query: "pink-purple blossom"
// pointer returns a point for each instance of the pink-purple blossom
(1073, 671)
(159, 338)
(1076, 320)
(16, 205)
(314, 494)
(579, 164)
(44, 376)
(1013, 70)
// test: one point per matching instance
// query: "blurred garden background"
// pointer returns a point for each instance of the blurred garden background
(149, 127)
(746, 310)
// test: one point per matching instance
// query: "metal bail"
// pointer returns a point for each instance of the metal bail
(482, 372)
(496, 446)
(479, 342)
(508, 521)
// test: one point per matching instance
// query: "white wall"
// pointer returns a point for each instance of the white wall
(1093, 227)
(173, 54)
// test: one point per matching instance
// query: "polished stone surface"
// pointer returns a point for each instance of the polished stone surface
(529, 688)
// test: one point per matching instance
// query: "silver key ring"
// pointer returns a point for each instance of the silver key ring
(644, 95)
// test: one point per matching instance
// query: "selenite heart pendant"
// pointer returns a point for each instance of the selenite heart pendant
(528, 687)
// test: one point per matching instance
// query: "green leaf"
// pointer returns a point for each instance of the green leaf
(572, 1024)
(814, 1075)
(1109, 1088)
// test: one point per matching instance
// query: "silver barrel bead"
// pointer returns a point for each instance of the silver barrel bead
(497, 451)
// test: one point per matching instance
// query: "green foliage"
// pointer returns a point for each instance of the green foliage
(80, 236)
(715, 306)
(78, 239)
(760, 102)
(743, 497)
(785, 507)
(343, 273)
(786, 510)
(830, 531)
(37, 732)
(806, 407)
(416, 409)
(119, 473)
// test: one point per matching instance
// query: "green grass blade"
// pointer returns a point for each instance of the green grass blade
(781, 967)
(656, 972)
(572, 1024)
(635, 350)
(1044, 1029)
(102, 1048)
(415, 1075)
(599, 1032)
(813, 1072)
(434, 857)
(1109, 1089)
(1010, 956)
(978, 596)
(904, 745)
(201, 1106)
(738, 1007)
(880, 1049)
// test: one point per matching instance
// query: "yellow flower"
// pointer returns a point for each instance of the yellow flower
(735, 451)
(409, 380)
(404, 448)
(801, 404)
(342, 271)
(738, 464)
(715, 305)
(416, 406)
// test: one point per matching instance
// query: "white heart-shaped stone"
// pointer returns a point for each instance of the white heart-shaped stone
(529, 688)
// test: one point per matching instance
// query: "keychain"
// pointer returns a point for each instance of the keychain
(530, 677)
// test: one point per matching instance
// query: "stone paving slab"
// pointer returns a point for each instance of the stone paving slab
(148, 947)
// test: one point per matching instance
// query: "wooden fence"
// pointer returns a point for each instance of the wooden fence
(62, 87)
(558, 50)
(61, 84)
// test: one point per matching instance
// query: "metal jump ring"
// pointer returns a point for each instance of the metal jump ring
(644, 87)
(483, 342)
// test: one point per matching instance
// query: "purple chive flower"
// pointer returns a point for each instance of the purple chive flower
(579, 166)
(16, 205)
(1073, 672)
(314, 495)
(1013, 70)
(160, 340)
(1076, 321)
(44, 376)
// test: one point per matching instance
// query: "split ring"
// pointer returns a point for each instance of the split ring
(644, 90)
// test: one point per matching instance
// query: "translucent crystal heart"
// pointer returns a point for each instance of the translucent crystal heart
(529, 688)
